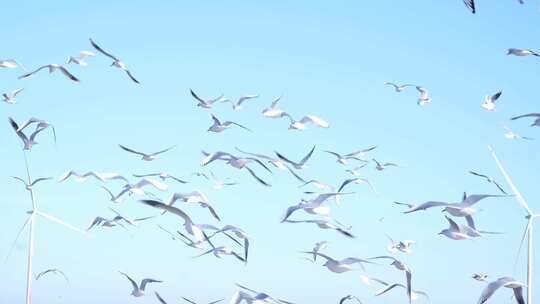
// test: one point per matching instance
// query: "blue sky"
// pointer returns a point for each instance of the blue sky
(327, 59)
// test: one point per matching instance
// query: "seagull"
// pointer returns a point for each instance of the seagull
(10, 64)
(313, 206)
(162, 175)
(349, 297)
(513, 135)
(489, 180)
(193, 302)
(455, 231)
(40, 124)
(195, 197)
(116, 62)
(340, 266)
(275, 161)
(400, 266)
(273, 111)
(194, 229)
(461, 209)
(239, 233)
(300, 165)
(219, 184)
(403, 246)
(238, 105)
(11, 97)
(221, 251)
(28, 143)
(358, 181)
(357, 155)
(100, 221)
(399, 88)
(147, 157)
(52, 68)
(324, 224)
(138, 187)
(207, 104)
(489, 101)
(381, 167)
(521, 52)
(356, 170)
(470, 5)
(318, 247)
(301, 124)
(507, 282)
(424, 96)
(114, 198)
(30, 186)
(388, 287)
(138, 291)
(536, 121)
(80, 58)
(480, 277)
(53, 270)
(219, 126)
(235, 162)
(258, 298)
(80, 177)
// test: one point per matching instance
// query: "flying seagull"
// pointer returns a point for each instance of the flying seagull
(403, 246)
(340, 266)
(324, 224)
(28, 142)
(207, 104)
(480, 277)
(507, 282)
(147, 157)
(79, 59)
(297, 165)
(302, 123)
(11, 97)
(137, 188)
(358, 181)
(510, 134)
(489, 179)
(489, 101)
(521, 52)
(399, 265)
(10, 64)
(221, 251)
(54, 271)
(535, 115)
(238, 105)
(195, 197)
(239, 233)
(273, 111)
(357, 155)
(138, 290)
(399, 88)
(52, 68)
(424, 98)
(387, 287)
(349, 297)
(235, 162)
(381, 166)
(114, 198)
(219, 126)
(162, 175)
(116, 62)
(275, 161)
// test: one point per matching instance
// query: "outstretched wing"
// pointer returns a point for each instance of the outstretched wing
(99, 49)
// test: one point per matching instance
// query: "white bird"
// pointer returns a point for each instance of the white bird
(387, 287)
(461, 209)
(349, 297)
(138, 290)
(455, 231)
(114, 198)
(507, 282)
(40, 124)
(195, 197)
(54, 271)
(357, 155)
(193, 302)
(237, 106)
(356, 170)
(10, 64)
(535, 115)
(340, 266)
(30, 186)
(382, 166)
(521, 52)
(80, 177)
(52, 68)
(399, 88)
(510, 134)
(116, 62)
(145, 156)
(490, 180)
(197, 230)
(424, 98)
(235, 162)
(222, 251)
(207, 104)
(11, 97)
(218, 126)
(275, 161)
(297, 165)
(301, 124)
(162, 175)
(239, 233)
(403, 246)
(357, 181)
(480, 277)
(273, 111)
(324, 224)
(257, 298)
(313, 206)
(138, 187)
(80, 58)
(399, 265)
(28, 142)
(489, 101)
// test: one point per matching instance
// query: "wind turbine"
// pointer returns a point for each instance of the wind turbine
(528, 230)
(32, 218)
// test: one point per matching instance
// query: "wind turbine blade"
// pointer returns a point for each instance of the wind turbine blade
(521, 243)
(57, 221)
(16, 239)
(29, 270)
(518, 195)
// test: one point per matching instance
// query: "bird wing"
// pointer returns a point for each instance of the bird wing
(160, 299)
(131, 76)
(163, 151)
(478, 174)
(470, 221)
(408, 276)
(257, 178)
(453, 225)
(171, 209)
(518, 293)
(244, 98)
(496, 96)
(526, 115)
(475, 198)
(290, 211)
(386, 289)
(196, 96)
(146, 281)
(307, 157)
(253, 154)
(274, 102)
(131, 150)
(39, 180)
(133, 283)
(315, 120)
(99, 49)
(188, 300)
(427, 205)
(227, 123)
(33, 72)
(490, 289)
(211, 209)
(68, 74)
(470, 5)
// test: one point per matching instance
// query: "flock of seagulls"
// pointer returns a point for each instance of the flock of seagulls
(202, 235)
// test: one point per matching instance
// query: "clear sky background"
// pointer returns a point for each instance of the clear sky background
(326, 58)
